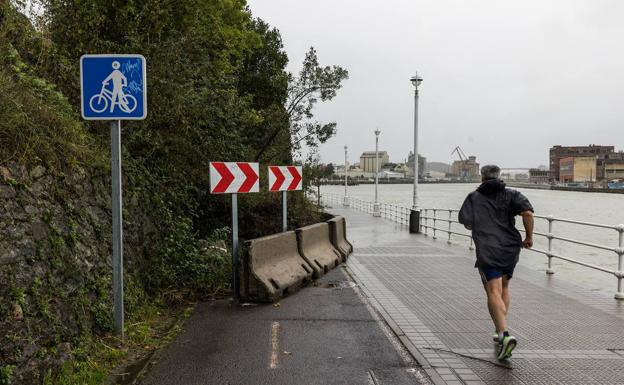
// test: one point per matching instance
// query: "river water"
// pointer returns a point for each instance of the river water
(589, 207)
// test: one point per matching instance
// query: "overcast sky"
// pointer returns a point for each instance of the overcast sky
(505, 80)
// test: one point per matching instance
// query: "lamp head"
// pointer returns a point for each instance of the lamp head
(416, 80)
(377, 132)
(345, 147)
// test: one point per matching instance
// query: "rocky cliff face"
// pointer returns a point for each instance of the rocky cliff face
(55, 263)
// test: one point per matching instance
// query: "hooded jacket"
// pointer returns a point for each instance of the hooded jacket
(490, 211)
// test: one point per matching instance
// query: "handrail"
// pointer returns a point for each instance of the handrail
(429, 223)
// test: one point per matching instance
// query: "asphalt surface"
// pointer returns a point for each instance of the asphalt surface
(324, 334)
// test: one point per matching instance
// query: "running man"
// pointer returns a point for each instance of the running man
(490, 213)
(119, 82)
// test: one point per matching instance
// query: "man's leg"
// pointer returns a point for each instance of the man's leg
(506, 294)
(114, 100)
(496, 304)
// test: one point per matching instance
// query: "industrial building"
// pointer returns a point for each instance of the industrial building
(422, 165)
(559, 152)
(611, 166)
(367, 160)
(578, 169)
(538, 176)
(466, 169)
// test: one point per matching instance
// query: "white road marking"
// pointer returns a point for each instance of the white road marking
(275, 328)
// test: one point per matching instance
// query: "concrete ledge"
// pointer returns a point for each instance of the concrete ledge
(316, 248)
(338, 235)
(272, 267)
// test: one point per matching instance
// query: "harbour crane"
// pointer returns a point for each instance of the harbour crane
(465, 167)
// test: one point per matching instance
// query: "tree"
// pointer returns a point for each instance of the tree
(327, 171)
(314, 83)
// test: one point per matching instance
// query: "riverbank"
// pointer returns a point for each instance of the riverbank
(564, 188)
(509, 184)
(356, 182)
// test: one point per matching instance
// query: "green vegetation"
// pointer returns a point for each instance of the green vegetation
(218, 91)
(6, 372)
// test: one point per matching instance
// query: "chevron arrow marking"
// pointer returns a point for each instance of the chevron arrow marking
(226, 178)
(251, 177)
(276, 178)
(296, 174)
(233, 177)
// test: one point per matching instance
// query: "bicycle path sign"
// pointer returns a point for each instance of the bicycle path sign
(113, 87)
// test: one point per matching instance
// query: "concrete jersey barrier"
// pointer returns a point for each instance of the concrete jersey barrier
(338, 234)
(316, 248)
(271, 267)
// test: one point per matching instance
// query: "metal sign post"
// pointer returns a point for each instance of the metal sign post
(233, 178)
(118, 308)
(113, 87)
(284, 211)
(235, 277)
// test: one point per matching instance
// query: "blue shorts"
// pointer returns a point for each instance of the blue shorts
(490, 273)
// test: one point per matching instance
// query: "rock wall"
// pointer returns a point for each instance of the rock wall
(55, 263)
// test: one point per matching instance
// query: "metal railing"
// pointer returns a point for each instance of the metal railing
(430, 219)
(550, 236)
(393, 212)
(438, 220)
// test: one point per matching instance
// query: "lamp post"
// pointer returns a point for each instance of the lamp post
(345, 200)
(376, 206)
(415, 212)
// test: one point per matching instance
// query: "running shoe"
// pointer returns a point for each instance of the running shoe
(506, 347)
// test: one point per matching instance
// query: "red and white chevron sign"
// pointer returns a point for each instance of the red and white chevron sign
(234, 177)
(285, 178)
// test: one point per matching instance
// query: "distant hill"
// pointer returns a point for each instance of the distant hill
(438, 166)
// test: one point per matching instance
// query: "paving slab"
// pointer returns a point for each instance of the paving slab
(431, 295)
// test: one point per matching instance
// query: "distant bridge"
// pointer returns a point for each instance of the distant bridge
(516, 168)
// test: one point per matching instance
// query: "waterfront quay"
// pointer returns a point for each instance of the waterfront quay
(432, 298)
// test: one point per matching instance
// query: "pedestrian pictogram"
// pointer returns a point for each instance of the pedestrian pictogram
(113, 87)
(234, 177)
(285, 178)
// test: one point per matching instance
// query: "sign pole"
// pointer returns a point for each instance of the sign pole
(235, 245)
(118, 306)
(284, 211)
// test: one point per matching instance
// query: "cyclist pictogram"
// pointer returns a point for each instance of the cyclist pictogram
(115, 96)
(113, 87)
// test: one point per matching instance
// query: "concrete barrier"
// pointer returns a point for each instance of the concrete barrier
(272, 267)
(316, 248)
(338, 236)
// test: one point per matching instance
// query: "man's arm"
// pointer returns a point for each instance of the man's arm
(527, 220)
(465, 215)
(105, 81)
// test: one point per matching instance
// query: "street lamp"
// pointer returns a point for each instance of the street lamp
(345, 201)
(415, 212)
(376, 206)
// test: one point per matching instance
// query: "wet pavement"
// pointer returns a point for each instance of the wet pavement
(432, 298)
(325, 334)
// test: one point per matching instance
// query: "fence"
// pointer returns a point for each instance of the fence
(434, 221)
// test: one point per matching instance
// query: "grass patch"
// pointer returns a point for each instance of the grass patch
(103, 360)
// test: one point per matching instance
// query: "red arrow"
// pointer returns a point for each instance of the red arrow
(296, 177)
(279, 178)
(226, 177)
(251, 175)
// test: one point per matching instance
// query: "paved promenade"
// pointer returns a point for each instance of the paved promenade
(432, 297)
